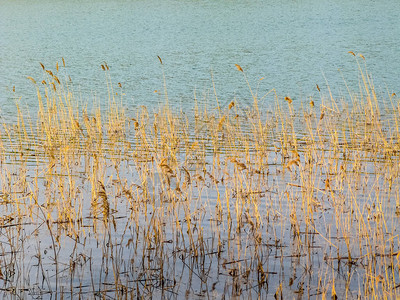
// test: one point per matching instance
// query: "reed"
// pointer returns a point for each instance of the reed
(298, 201)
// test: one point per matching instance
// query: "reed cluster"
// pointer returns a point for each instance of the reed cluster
(279, 198)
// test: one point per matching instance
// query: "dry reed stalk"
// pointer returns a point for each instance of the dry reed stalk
(231, 187)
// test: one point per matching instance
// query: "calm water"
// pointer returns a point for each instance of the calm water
(292, 44)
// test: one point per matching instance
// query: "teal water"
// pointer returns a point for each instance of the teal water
(294, 45)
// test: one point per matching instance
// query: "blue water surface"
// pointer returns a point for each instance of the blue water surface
(292, 44)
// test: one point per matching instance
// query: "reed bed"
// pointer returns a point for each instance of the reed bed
(287, 200)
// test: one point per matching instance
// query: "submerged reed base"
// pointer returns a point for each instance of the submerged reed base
(296, 202)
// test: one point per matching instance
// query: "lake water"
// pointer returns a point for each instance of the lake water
(206, 205)
(293, 45)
